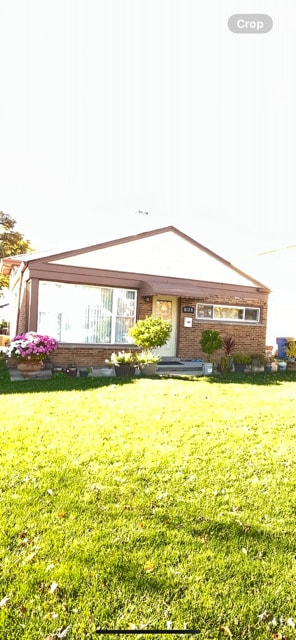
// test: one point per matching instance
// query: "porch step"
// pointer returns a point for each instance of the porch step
(176, 364)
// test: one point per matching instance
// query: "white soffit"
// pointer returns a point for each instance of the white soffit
(166, 254)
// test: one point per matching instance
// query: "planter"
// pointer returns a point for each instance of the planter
(107, 372)
(83, 373)
(207, 368)
(268, 368)
(125, 370)
(70, 371)
(30, 368)
(282, 366)
(57, 369)
(148, 368)
(240, 367)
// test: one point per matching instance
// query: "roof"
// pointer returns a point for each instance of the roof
(166, 251)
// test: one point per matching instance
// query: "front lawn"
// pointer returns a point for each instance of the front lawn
(149, 503)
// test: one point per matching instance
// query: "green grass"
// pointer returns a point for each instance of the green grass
(148, 501)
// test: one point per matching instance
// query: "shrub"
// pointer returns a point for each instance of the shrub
(151, 333)
(210, 341)
(229, 345)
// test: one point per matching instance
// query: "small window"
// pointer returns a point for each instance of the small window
(252, 314)
(227, 313)
(204, 311)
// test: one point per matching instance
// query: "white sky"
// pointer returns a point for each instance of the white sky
(113, 106)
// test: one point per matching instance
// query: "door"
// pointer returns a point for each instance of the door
(166, 308)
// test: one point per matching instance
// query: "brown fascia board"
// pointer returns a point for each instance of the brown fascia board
(143, 282)
(146, 234)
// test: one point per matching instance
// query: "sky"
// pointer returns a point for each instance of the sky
(110, 107)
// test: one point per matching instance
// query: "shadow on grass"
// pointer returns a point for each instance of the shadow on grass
(258, 378)
(83, 384)
(43, 385)
(236, 533)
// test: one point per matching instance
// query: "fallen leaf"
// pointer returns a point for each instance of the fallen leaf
(3, 602)
(30, 557)
(49, 567)
(148, 567)
(53, 587)
(62, 514)
(264, 616)
(62, 634)
(50, 491)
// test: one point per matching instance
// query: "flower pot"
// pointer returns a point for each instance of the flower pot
(125, 370)
(282, 366)
(240, 367)
(30, 368)
(57, 369)
(83, 373)
(268, 368)
(70, 371)
(107, 371)
(148, 368)
(207, 368)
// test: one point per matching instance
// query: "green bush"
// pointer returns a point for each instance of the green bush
(210, 341)
(151, 333)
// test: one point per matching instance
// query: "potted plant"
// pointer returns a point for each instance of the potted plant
(124, 363)
(70, 370)
(281, 364)
(4, 327)
(268, 364)
(210, 341)
(30, 349)
(147, 362)
(84, 371)
(241, 360)
(291, 353)
(226, 362)
(258, 360)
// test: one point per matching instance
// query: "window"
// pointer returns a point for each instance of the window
(87, 314)
(230, 314)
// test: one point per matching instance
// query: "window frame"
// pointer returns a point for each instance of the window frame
(213, 318)
(116, 293)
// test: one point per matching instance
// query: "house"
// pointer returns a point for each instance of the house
(89, 298)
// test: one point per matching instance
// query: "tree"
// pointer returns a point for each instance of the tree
(12, 243)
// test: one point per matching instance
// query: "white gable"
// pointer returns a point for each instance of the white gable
(165, 254)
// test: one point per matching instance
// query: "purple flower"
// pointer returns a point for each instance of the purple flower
(31, 346)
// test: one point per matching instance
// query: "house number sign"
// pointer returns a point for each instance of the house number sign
(188, 309)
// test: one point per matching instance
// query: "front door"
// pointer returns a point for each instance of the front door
(166, 308)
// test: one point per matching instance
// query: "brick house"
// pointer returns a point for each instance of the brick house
(89, 298)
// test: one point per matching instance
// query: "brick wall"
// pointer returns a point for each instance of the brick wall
(86, 355)
(249, 338)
